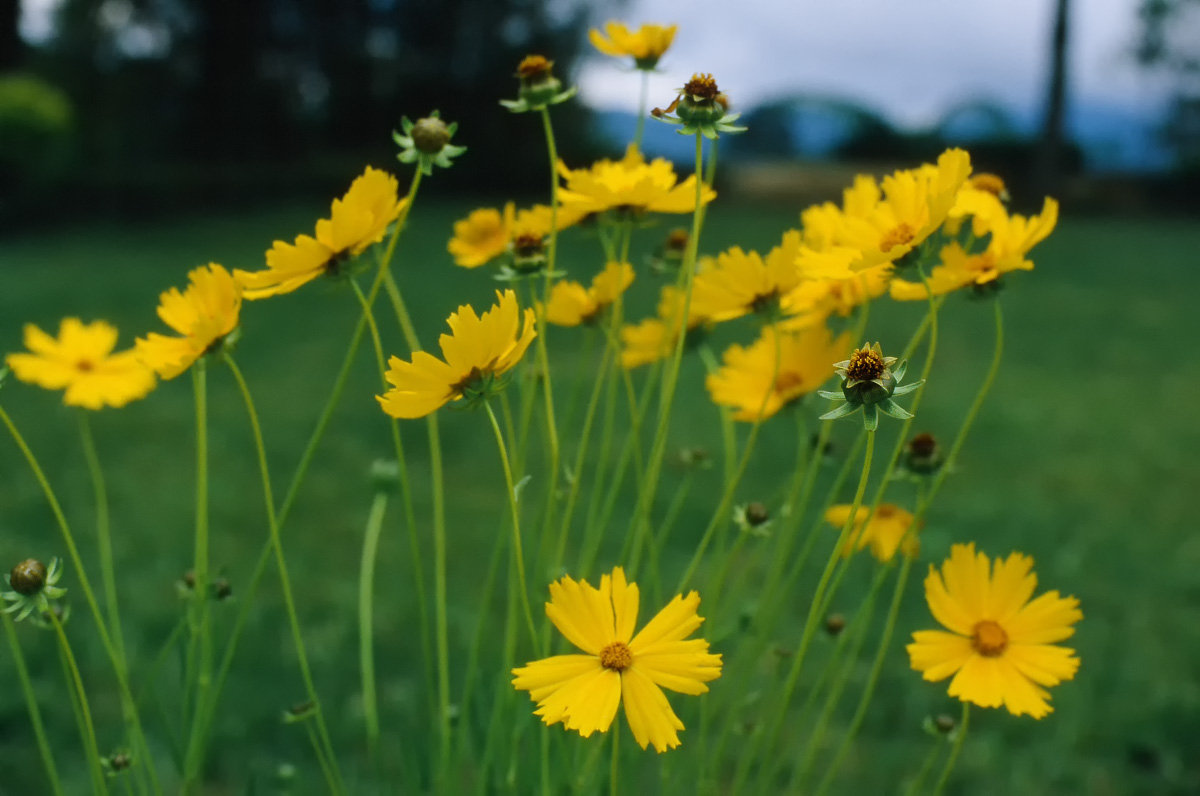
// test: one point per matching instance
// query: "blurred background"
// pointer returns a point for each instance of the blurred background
(125, 107)
(140, 138)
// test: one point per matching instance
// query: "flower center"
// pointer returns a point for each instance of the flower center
(865, 365)
(989, 638)
(616, 656)
(701, 86)
(988, 182)
(533, 66)
(788, 381)
(898, 236)
(85, 365)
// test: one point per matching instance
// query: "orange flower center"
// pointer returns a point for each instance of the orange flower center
(85, 365)
(701, 86)
(616, 656)
(865, 365)
(897, 237)
(989, 639)
(533, 66)
(988, 182)
(786, 382)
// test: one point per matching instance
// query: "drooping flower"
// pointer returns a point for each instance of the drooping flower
(645, 45)
(886, 531)
(478, 350)
(356, 221)
(571, 304)
(1007, 250)
(81, 362)
(629, 184)
(774, 370)
(204, 314)
(584, 691)
(1001, 646)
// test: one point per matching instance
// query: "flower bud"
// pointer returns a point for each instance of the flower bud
(944, 723)
(757, 513)
(385, 476)
(430, 134)
(28, 577)
(222, 589)
(835, 624)
(538, 85)
(923, 454)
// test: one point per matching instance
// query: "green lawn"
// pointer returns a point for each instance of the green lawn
(1081, 458)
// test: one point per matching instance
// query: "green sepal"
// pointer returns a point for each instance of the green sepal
(907, 388)
(893, 409)
(838, 412)
(899, 371)
(870, 417)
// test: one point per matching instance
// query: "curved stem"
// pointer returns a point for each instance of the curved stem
(944, 777)
(35, 715)
(335, 784)
(516, 524)
(366, 635)
(103, 536)
(86, 729)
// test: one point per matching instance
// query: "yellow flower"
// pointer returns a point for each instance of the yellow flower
(816, 299)
(1011, 239)
(488, 233)
(357, 220)
(886, 531)
(879, 223)
(583, 691)
(654, 338)
(1001, 647)
(203, 314)
(739, 283)
(81, 362)
(571, 304)
(749, 374)
(646, 45)
(477, 351)
(629, 184)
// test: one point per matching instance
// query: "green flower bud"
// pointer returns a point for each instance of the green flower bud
(28, 577)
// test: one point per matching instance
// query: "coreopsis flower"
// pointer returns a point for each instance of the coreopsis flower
(571, 304)
(881, 222)
(488, 234)
(356, 221)
(869, 380)
(631, 185)
(205, 315)
(701, 108)
(654, 338)
(1001, 644)
(740, 283)
(584, 691)
(775, 370)
(81, 362)
(1007, 250)
(886, 530)
(538, 88)
(32, 587)
(427, 143)
(645, 45)
(815, 299)
(478, 351)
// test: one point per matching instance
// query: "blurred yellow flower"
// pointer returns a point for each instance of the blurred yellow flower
(646, 45)
(584, 691)
(886, 531)
(81, 362)
(775, 370)
(654, 338)
(571, 304)
(203, 314)
(488, 233)
(1011, 239)
(1001, 647)
(629, 184)
(357, 220)
(740, 282)
(477, 351)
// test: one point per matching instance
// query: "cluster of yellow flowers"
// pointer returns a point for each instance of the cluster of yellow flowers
(1000, 644)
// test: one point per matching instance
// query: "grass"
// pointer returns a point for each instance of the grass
(1081, 458)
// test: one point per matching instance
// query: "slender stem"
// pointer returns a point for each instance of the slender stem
(516, 524)
(649, 485)
(914, 786)
(551, 255)
(954, 750)
(439, 588)
(613, 777)
(643, 100)
(87, 730)
(335, 783)
(366, 633)
(35, 715)
(199, 657)
(103, 536)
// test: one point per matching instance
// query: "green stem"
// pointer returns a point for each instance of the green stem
(613, 777)
(103, 536)
(543, 357)
(954, 750)
(35, 715)
(86, 729)
(643, 101)
(439, 589)
(914, 786)
(366, 633)
(516, 525)
(199, 657)
(335, 783)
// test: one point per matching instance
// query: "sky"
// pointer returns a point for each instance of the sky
(910, 59)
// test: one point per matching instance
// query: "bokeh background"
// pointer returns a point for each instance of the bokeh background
(140, 138)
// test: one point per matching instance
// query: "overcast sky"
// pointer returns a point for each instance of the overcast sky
(911, 59)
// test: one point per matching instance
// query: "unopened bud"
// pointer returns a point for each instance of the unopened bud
(28, 577)
(430, 135)
(835, 624)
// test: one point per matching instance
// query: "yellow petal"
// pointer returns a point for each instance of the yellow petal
(937, 654)
(683, 666)
(1044, 620)
(1045, 664)
(582, 613)
(649, 714)
(625, 605)
(676, 621)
